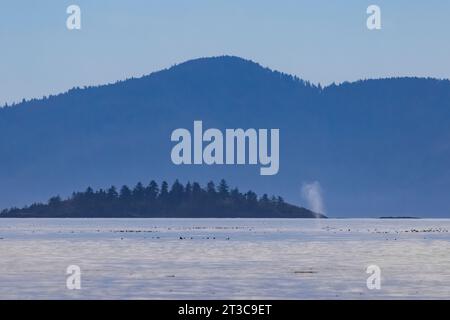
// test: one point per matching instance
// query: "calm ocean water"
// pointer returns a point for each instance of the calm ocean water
(224, 258)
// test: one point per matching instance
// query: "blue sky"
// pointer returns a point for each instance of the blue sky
(318, 40)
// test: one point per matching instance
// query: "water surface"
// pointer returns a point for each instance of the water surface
(224, 258)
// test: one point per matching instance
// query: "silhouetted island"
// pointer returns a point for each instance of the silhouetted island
(152, 201)
(399, 217)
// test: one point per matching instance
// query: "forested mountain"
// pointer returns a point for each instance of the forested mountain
(377, 147)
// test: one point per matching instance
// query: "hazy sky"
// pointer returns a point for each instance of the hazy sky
(318, 40)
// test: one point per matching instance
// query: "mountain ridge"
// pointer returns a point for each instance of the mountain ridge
(190, 62)
(371, 143)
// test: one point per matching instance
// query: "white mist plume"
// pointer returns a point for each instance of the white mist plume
(312, 193)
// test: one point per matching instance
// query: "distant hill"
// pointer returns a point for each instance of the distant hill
(152, 201)
(377, 147)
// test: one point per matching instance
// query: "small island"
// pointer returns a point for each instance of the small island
(399, 217)
(154, 201)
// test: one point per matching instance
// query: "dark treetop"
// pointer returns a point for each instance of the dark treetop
(153, 201)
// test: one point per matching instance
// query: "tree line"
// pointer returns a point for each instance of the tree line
(190, 201)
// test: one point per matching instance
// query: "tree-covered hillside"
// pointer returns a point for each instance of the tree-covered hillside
(153, 201)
